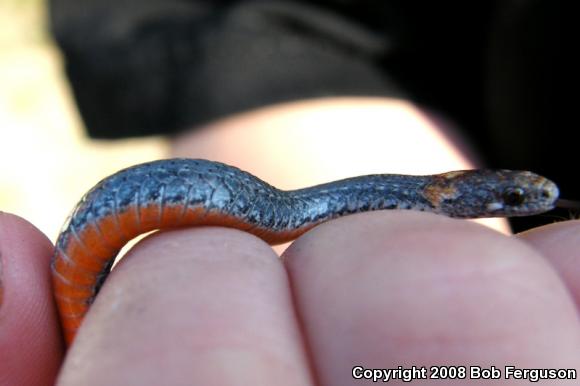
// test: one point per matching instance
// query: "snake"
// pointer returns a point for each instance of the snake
(175, 193)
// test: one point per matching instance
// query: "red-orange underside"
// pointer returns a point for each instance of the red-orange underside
(86, 254)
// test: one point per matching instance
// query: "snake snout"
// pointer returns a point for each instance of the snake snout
(549, 192)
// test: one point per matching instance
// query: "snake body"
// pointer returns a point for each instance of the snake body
(185, 192)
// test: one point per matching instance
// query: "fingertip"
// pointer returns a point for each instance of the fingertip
(559, 244)
(214, 294)
(30, 345)
(416, 289)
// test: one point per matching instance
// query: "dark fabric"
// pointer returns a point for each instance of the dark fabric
(146, 67)
(142, 67)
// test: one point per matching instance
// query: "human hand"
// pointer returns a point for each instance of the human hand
(380, 290)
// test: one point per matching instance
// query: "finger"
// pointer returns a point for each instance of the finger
(192, 307)
(30, 342)
(383, 290)
(560, 244)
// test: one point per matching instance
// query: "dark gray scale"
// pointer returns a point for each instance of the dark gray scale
(282, 211)
(268, 205)
(296, 205)
(239, 200)
(199, 191)
(360, 194)
(220, 197)
(175, 192)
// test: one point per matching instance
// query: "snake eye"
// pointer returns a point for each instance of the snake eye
(513, 196)
(546, 193)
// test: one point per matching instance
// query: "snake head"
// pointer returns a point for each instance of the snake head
(491, 193)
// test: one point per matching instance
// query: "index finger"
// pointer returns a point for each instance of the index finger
(30, 346)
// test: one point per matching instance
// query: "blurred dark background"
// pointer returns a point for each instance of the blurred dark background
(143, 67)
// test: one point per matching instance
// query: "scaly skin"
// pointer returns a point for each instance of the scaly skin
(184, 192)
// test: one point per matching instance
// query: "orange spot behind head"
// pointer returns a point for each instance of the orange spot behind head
(442, 188)
(452, 175)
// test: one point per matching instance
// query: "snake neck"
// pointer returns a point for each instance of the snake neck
(360, 194)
